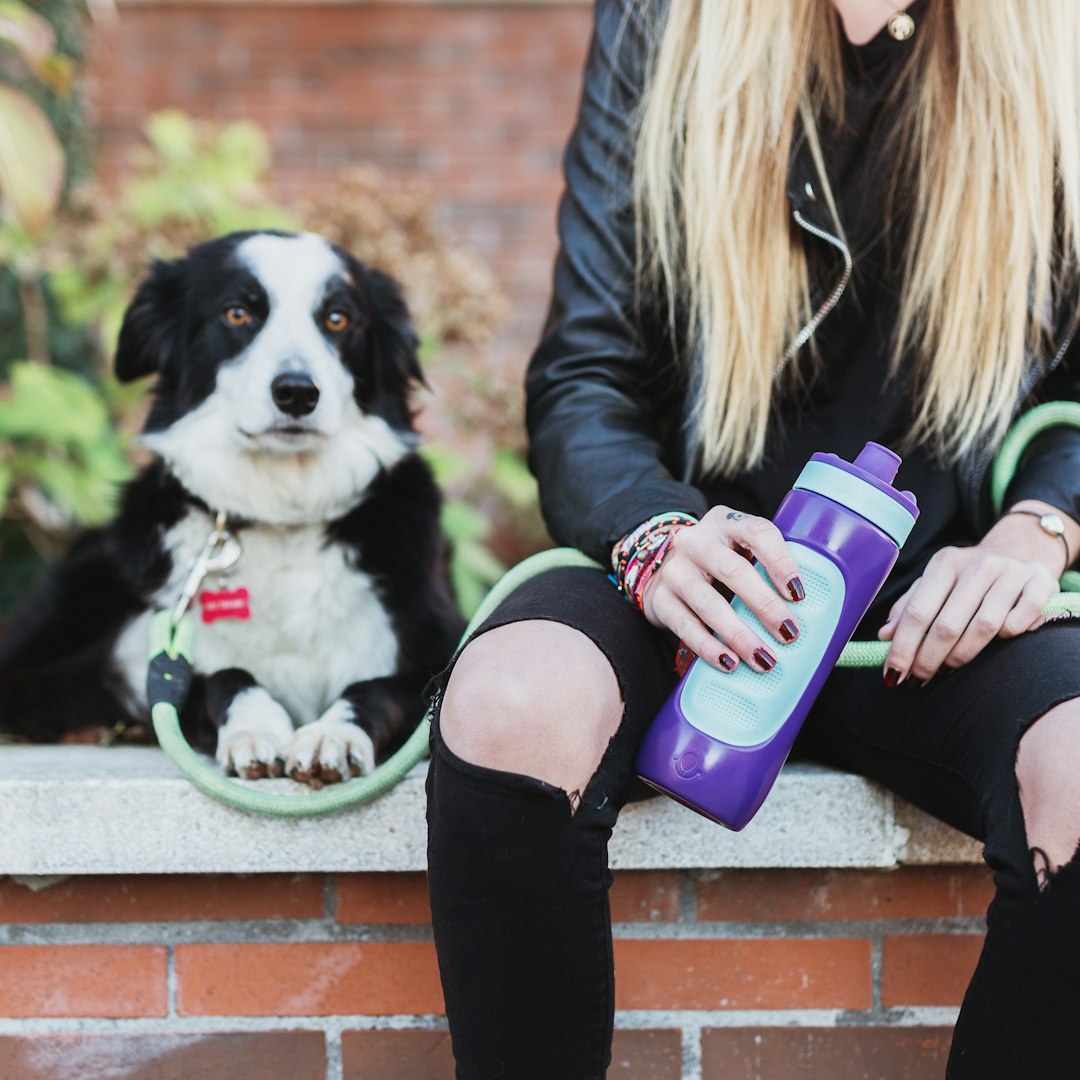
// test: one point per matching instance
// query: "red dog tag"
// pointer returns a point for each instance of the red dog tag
(226, 604)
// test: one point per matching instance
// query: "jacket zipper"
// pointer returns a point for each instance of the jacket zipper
(976, 476)
(830, 301)
(1035, 374)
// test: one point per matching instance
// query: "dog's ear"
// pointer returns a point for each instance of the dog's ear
(151, 331)
(391, 335)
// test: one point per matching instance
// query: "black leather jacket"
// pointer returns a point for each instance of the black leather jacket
(605, 399)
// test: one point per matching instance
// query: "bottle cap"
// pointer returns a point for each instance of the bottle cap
(864, 486)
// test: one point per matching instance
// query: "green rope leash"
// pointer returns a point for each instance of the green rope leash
(171, 662)
(170, 676)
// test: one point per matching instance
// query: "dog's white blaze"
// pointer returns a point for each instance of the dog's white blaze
(316, 624)
(295, 272)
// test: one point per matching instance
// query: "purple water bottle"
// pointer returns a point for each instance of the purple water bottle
(720, 739)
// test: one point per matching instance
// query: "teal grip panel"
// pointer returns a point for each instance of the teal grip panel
(865, 499)
(745, 707)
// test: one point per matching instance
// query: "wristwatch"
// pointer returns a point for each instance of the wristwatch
(1051, 524)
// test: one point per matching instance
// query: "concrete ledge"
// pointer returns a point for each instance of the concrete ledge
(85, 810)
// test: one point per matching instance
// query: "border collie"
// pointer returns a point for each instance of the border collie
(284, 368)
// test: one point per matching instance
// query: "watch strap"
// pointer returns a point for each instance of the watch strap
(1048, 528)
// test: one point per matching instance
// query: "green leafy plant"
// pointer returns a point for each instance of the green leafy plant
(31, 157)
(60, 456)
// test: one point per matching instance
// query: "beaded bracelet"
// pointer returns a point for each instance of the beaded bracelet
(637, 557)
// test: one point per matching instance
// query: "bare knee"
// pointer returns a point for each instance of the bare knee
(1047, 764)
(537, 698)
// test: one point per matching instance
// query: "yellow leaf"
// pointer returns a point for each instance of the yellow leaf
(30, 33)
(31, 161)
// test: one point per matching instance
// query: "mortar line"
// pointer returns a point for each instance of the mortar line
(801, 928)
(688, 912)
(691, 1051)
(170, 981)
(330, 897)
(877, 968)
(625, 1019)
(211, 932)
(332, 1041)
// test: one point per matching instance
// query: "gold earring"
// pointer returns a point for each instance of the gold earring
(901, 26)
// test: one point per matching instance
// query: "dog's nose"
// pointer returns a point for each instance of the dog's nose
(295, 393)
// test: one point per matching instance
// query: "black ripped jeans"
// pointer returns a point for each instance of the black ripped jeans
(519, 884)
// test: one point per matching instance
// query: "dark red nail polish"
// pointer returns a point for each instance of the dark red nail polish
(765, 660)
(795, 589)
(728, 663)
(788, 630)
(892, 677)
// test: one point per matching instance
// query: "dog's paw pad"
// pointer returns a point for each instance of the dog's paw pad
(328, 752)
(252, 756)
(253, 741)
(261, 770)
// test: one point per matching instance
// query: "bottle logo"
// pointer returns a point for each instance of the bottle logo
(688, 764)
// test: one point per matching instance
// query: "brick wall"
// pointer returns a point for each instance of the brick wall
(476, 99)
(740, 975)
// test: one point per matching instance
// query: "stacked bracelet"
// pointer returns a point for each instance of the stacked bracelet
(637, 557)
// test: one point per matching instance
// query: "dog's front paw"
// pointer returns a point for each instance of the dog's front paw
(331, 749)
(253, 740)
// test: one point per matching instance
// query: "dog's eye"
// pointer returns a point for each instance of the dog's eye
(336, 321)
(237, 315)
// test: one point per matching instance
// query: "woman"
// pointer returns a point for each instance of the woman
(787, 227)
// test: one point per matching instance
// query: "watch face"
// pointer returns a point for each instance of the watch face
(1053, 524)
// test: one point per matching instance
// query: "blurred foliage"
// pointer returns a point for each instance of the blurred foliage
(190, 182)
(193, 181)
(59, 453)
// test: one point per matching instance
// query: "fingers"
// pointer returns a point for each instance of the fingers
(987, 620)
(758, 537)
(889, 627)
(685, 593)
(923, 606)
(684, 622)
(1027, 614)
(964, 600)
(717, 549)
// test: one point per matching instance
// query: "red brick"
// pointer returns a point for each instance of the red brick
(646, 1055)
(165, 898)
(862, 1053)
(481, 98)
(82, 980)
(645, 896)
(307, 979)
(426, 1055)
(264, 1055)
(928, 969)
(383, 898)
(910, 893)
(743, 974)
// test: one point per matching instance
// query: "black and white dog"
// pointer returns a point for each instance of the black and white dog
(283, 368)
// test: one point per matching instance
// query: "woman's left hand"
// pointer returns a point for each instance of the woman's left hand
(968, 596)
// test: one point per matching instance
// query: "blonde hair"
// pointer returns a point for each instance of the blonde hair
(989, 130)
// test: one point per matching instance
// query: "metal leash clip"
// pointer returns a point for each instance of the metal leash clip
(220, 553)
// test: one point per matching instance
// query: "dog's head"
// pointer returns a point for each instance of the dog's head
(284, 369)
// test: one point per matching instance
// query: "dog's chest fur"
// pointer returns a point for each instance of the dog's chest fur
(316, 625)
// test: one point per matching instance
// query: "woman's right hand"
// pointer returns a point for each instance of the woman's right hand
(685, 595)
